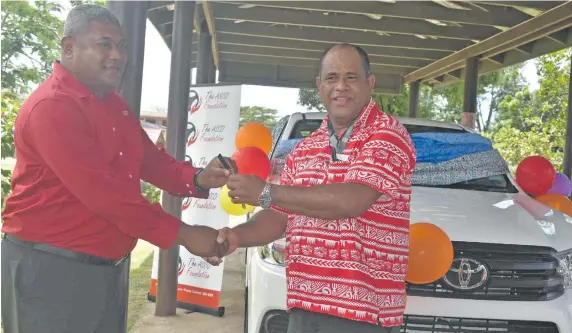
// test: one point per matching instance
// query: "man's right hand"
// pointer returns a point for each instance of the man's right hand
(225, 236)
(200, 240)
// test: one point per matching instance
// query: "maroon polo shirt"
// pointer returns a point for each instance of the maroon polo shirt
(76, 183)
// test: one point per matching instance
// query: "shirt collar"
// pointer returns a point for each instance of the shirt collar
(70, 82)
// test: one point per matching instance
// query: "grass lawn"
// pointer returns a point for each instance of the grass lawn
(138, 288)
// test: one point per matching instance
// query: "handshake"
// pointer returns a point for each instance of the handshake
(209, 243)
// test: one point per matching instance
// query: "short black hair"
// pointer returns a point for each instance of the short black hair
(363, 55)
(80, 16)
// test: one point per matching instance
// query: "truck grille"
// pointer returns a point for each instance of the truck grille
(516, 273)
(421, 324)
(277, 322)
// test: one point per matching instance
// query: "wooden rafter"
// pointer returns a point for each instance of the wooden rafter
(427, 40)
(211, 24)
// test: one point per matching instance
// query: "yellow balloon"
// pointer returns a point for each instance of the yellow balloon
(230, 207)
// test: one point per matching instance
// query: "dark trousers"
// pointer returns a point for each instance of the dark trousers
(48, 293)
(302, 321)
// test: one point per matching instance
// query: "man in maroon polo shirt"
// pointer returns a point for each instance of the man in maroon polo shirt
(76, 209)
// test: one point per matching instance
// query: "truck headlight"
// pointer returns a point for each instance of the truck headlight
(274, 253)
(565, 267)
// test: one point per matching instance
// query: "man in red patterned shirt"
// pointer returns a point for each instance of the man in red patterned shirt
(343, 201)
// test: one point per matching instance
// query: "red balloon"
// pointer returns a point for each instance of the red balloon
(252, 161)
(535, 174)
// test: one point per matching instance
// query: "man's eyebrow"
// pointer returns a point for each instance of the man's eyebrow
(108, 39)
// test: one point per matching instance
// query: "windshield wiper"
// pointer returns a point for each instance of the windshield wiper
(474, 187)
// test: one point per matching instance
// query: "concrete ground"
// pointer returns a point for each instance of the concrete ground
(232, 298)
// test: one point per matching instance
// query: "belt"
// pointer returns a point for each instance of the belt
(69, 254)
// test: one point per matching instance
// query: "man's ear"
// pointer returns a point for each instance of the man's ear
(371, 82)
(318, 82)
(67, 47)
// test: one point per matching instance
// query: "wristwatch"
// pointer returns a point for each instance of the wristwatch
(265, 200)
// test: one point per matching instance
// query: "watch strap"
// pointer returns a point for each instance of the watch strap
(265, 199)
(196, 182)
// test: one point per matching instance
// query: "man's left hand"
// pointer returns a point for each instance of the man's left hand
(245, 189)
(214, 175)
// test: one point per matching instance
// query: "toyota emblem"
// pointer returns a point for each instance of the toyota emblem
(466, 274)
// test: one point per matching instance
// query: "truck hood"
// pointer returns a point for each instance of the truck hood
(489, 217)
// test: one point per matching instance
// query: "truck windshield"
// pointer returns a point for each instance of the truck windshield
(305, 127)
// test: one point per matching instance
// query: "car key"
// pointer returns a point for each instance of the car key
(228, 167)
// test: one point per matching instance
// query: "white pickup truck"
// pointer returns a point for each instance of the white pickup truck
(511, 273)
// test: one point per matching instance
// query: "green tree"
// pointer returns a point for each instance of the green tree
(102, 3)
(533, 122)
(494, 87)
(258, 114)
(10, 107)
(30, 42)
(150, 192)
(30, 32)
(309, 98)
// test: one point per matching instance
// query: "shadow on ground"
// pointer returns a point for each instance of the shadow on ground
(232, 298)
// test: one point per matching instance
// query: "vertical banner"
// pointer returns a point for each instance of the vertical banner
(214, 114)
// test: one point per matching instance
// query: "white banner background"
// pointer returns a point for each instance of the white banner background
(214, 114)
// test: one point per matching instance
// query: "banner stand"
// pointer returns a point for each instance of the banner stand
(194, 307)
(214, 116)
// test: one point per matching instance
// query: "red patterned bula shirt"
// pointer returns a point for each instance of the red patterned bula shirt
(353, 268)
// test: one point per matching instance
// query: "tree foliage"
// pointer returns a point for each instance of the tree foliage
(443, 103)
(30, 32)
(534, 122)
(258, 114)
(30, 42)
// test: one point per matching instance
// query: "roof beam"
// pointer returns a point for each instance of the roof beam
(538, 5)
(302, 62)
(289, 44)
(292, 77)
(275, 44)
(388, 25)
(160, 15)
(313, 55)
(419, 10)
(544, 24)
(317, 35)
(212, 29)
(157, 4)
(331, 36)
(513, 57)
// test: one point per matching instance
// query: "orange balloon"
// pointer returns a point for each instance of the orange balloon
(556, 201)
(430, 253)
(254, 135)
